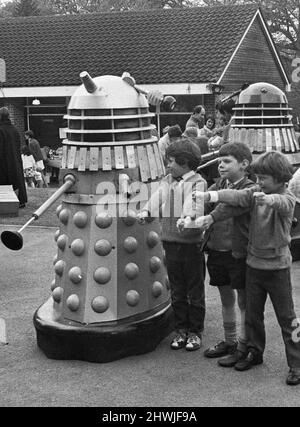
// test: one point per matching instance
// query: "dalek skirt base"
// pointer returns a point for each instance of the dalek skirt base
(99, 343)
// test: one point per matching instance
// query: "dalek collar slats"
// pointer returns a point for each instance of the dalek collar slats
(262, 119)
(103, 137)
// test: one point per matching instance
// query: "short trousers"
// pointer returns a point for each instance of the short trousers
(225, 270)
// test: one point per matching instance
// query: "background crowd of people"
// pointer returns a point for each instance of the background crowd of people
(208, 132)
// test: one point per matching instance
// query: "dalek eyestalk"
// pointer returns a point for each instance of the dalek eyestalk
(88, 82)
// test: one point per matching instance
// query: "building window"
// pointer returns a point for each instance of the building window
(46, 118)
(183, 110)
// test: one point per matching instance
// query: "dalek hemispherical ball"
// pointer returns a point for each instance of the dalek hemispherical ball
(57, 294)
(62, 242)
(64, 216)
(103, 247)
(103, 220)
(131, 245)
(78, 247)
(80, 219)
(75, 275)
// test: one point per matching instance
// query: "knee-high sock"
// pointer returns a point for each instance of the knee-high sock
(229, 322)
(242, 341)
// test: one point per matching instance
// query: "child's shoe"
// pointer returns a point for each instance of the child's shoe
(231, 360)
(219, 350)
(253, 358)
(293, 377)
(179, 341)
(194, 342)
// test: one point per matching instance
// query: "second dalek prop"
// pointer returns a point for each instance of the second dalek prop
(110, 293)
(262, 119)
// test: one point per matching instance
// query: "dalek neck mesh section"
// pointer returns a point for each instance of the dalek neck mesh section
(106, 126)
(262, 115)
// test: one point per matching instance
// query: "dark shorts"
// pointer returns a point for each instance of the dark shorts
(224, 270)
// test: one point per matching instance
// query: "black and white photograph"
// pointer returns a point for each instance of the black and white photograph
(149, 207)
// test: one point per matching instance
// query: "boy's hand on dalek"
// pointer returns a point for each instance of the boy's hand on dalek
(142, 217)
(188, 222)
(204, 222)
(183, 223)
(264, 199)
(180, 224)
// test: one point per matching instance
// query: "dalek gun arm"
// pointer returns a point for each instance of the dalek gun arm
(14, 240)
(154, 97)
(232, 95)
(209, 159)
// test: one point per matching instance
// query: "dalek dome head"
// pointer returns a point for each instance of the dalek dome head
(106, 92)
(262, 105)
(108, 110)
(262, 93)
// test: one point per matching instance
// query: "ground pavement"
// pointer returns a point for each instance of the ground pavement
(161, 378)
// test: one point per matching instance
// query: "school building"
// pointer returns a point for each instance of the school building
(197, 55)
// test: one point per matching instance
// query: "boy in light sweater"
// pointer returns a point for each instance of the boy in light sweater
(271, 206)
(184, 256)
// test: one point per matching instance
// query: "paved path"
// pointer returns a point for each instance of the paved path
(161, 378)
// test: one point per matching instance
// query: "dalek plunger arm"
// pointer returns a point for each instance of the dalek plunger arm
(14, 240)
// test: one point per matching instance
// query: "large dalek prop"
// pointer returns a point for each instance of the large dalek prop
(110, 294)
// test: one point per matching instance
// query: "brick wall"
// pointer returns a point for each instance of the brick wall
(254, 62)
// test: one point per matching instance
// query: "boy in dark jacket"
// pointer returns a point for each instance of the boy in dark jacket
(226, 244)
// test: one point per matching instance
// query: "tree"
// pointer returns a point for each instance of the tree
(283, 19)
(89, 6)
(26, 8)
(223, 2)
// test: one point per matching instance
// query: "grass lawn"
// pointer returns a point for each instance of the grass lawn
(36, 197)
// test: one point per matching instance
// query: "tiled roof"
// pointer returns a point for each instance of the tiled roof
(161, 46)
